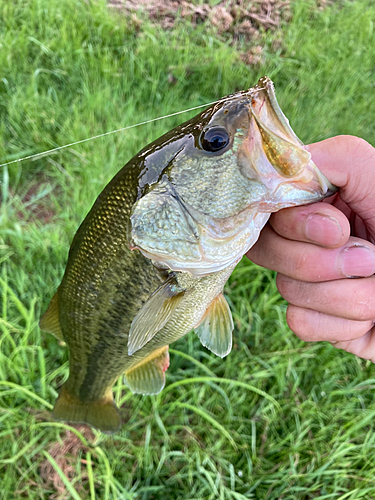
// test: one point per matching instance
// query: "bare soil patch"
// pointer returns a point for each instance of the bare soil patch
(239, 22)
(66, 452)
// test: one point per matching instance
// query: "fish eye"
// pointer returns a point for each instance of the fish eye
(214, 139)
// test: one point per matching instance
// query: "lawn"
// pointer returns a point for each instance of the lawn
(277, 418)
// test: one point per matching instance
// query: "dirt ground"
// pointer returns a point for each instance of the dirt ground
(239, 22)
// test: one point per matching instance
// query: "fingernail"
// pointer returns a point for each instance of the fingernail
(357, 261)
(322, 229)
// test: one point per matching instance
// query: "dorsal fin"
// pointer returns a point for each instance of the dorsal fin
(49, 322)
(215, 329)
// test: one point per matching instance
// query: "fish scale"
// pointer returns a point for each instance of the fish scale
(150, 261)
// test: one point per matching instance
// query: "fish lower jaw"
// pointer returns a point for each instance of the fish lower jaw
(291, 195)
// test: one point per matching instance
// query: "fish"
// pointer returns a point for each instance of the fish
(149, 262)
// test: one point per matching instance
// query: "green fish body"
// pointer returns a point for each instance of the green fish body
(149, 262)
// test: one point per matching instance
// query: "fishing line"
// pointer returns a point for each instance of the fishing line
(49, 151)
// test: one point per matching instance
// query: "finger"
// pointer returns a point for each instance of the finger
(363, 347)
(306, 262)
(313, 326)
(349, 163)
(321, 224)
(346, 298)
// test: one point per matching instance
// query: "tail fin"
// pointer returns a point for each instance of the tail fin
(102, 414)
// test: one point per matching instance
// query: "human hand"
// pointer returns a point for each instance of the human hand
(318, 250)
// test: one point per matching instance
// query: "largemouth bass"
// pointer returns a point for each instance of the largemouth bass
(149, 262)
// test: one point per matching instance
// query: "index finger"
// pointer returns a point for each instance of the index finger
(320, 224)
(349, 163)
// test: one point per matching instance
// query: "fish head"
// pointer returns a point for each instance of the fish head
(245, 154)
(224, 172)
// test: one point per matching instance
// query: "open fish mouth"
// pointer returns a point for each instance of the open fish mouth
(278, 156)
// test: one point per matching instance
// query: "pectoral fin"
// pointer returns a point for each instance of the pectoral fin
(148, 377)
(49, 322)
(215, 329)
(154, 314)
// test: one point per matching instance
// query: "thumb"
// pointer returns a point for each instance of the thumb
(349, 163)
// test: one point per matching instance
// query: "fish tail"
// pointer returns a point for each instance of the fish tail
(102, 414)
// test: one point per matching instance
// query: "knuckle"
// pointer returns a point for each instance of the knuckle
(361, 301)
(294, 291)
(361, 151)
(284, 286)
(354, 144)
(364, 309)
(302, 266)
(296, 323)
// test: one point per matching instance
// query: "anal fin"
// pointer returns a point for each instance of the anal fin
(102, 414)
(215, 329)
(49, 322)
(148, 377)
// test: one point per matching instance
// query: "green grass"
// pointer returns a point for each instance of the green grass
(277, 419)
